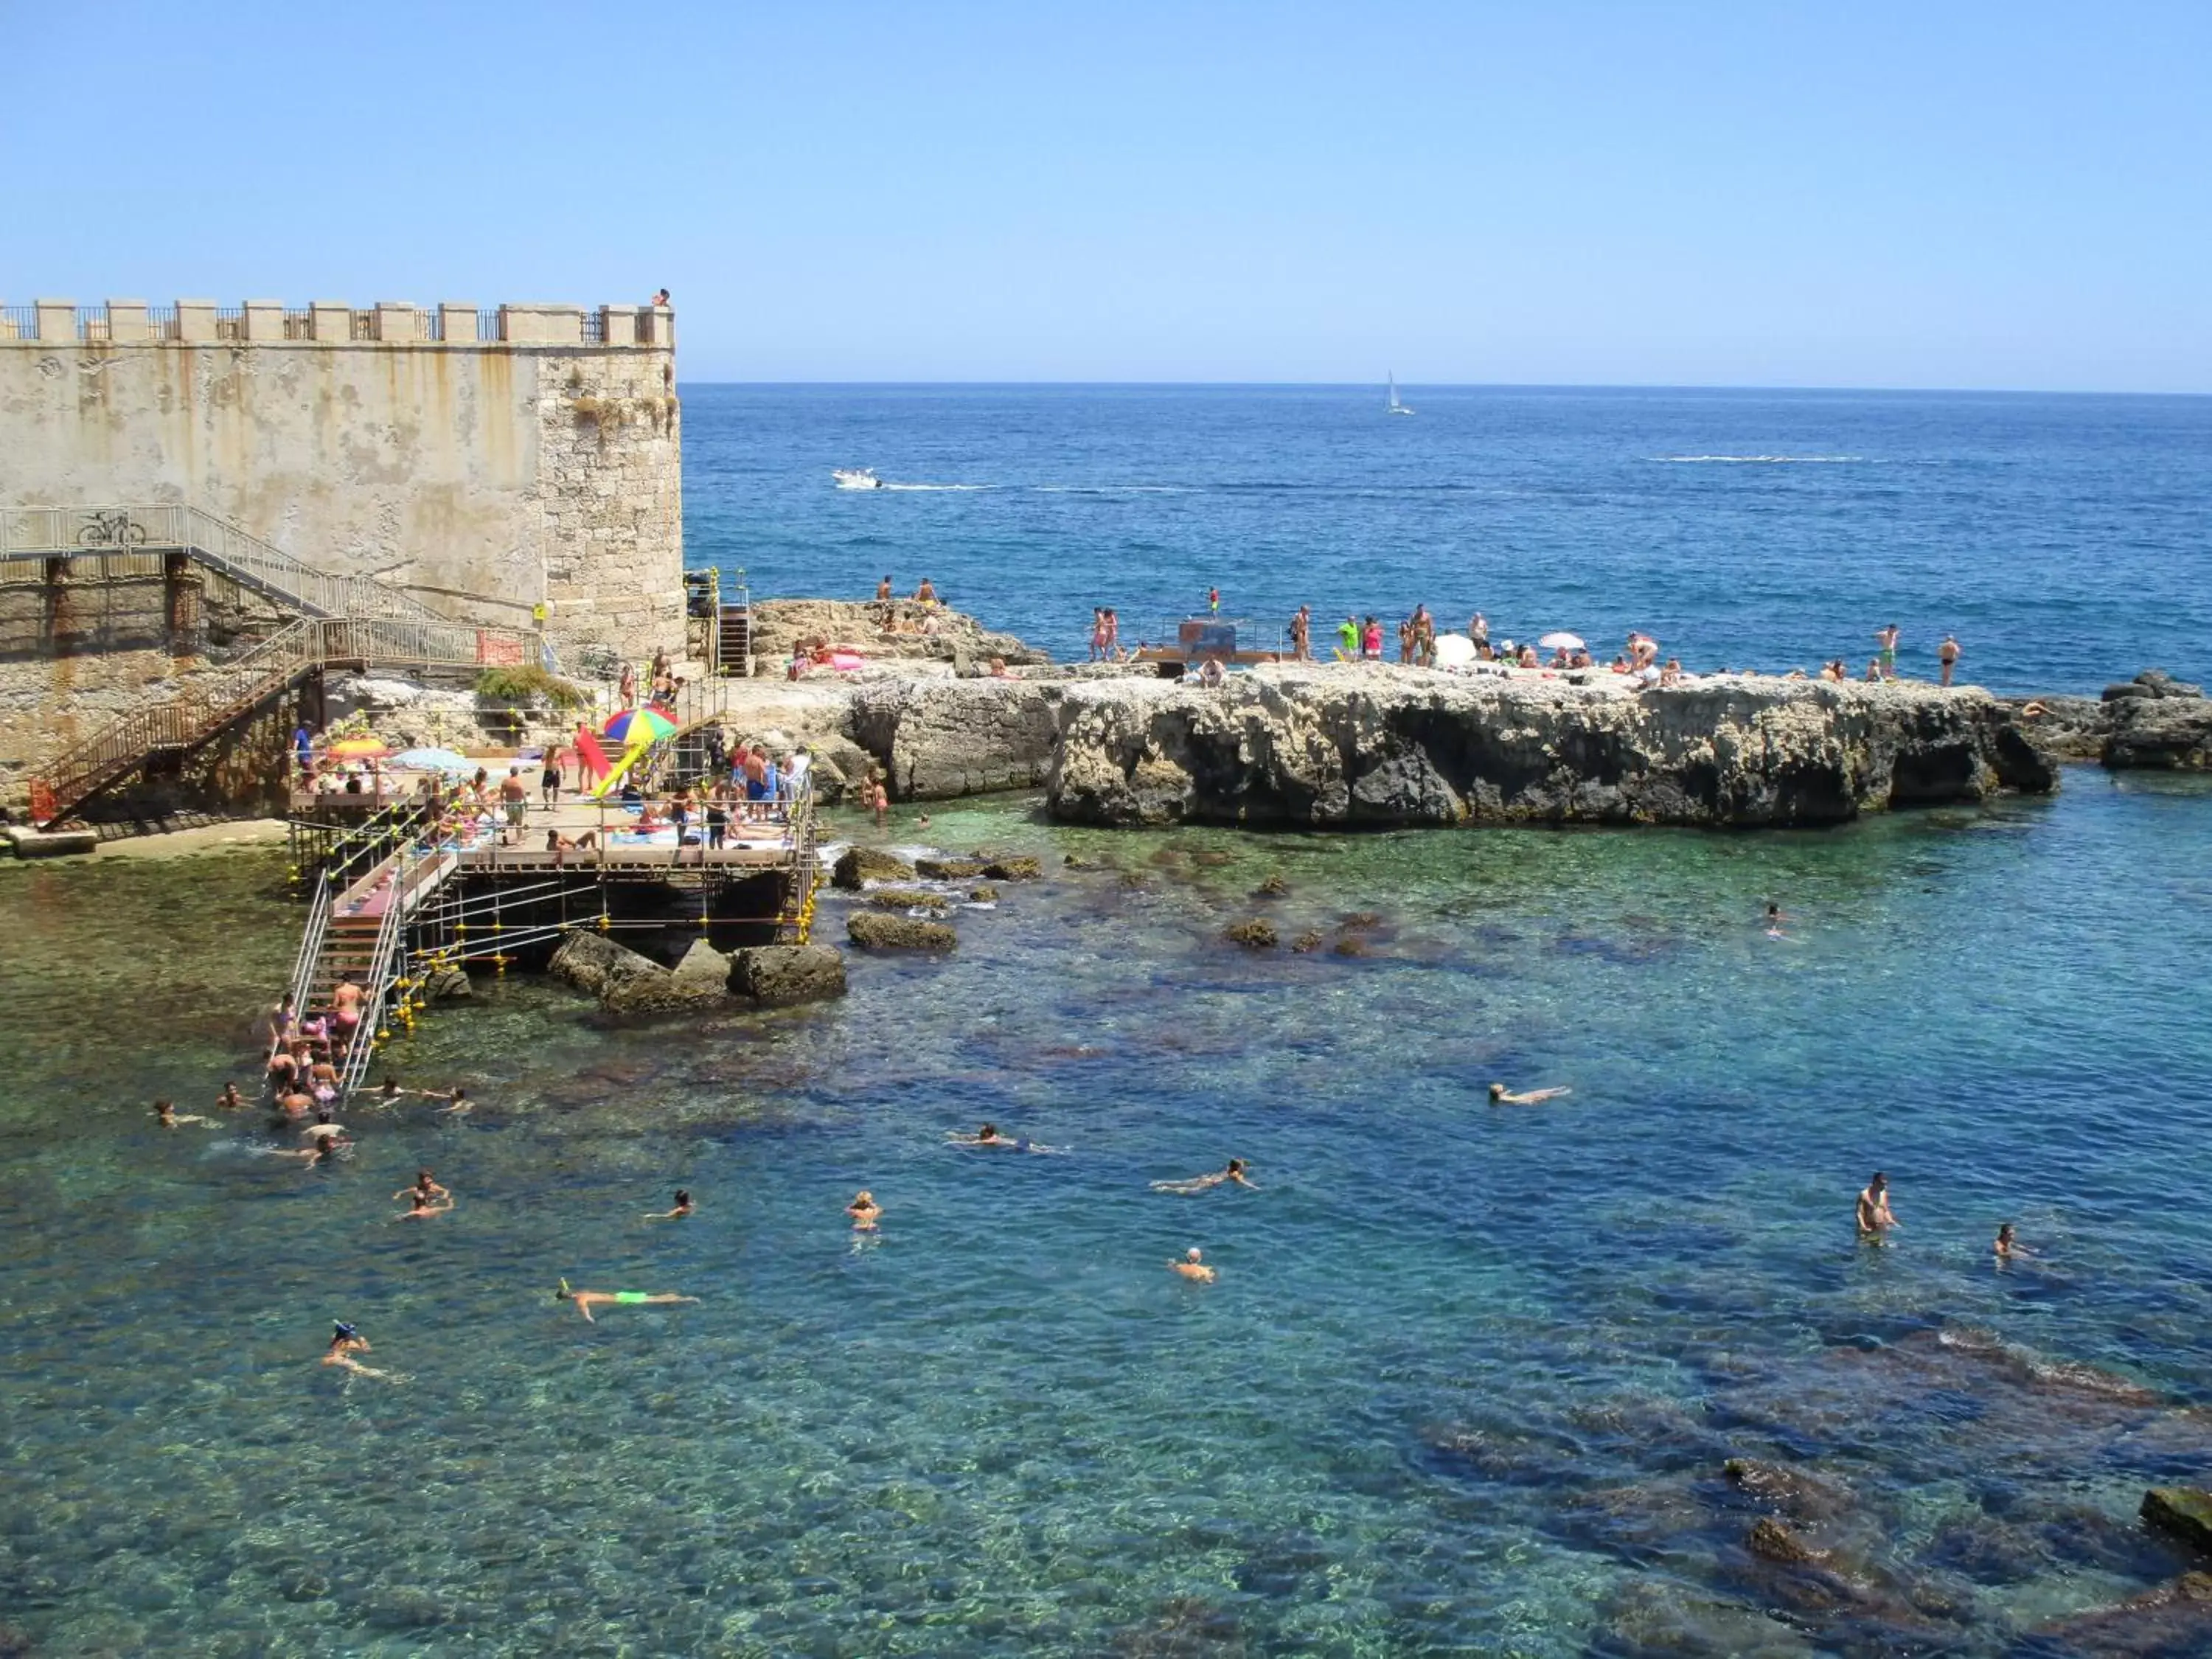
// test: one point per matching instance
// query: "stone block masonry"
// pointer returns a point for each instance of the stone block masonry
(485, 461)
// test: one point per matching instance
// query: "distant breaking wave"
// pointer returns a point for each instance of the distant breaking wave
(1762, 460)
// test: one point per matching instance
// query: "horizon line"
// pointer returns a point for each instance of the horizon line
(1476, 385)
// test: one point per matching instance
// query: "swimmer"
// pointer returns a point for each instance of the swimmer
(865, 1211)
(922, 823)
(345, 1343)
(320, 1148)
(1234, 1173)
(230, 1100)
(166, 1115)
(2005, 1247)
(294, 1102)
(586, 1300)
(1193, 1267)
(988, 1135)
(321, 1127)
(426, 1184)
(1875, 1219)
(682, 1209)
(1502, 1096)
(456, 1102)
(421, 1207)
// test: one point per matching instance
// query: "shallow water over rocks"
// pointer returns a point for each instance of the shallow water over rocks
(1469, 1380)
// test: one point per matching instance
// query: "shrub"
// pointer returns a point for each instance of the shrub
(525, 683)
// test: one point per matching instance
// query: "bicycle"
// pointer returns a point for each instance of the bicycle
(111, 530)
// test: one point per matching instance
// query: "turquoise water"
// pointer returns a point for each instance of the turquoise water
(1464, 1384)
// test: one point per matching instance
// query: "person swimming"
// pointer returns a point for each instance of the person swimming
(2005, 1247)
(1232, 1174)
(421, 1205)
(865, 1211)
(682, 1209)
(1502, 1096)
(230, 1100)
(587, 1300)
(426, 1184)
(345, 1343)
(166, 1115)
(1192, 1266)
(989, 1135)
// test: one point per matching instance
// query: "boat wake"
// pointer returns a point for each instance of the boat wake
(1761, 460)
(933, 487)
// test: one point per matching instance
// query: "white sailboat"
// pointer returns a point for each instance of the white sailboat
(1395, 407)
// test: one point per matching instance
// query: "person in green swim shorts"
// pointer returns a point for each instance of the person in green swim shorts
(585, 1300)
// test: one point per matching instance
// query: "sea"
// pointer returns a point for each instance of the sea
(1471, 1377)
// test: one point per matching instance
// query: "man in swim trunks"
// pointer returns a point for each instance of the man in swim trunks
(682, 1208)
(230, 1100)
(1232, 1175)
(988, 1135)
(1947, 655)
(1193, 1267)
(1502, 1096)
(587, 1300)
(1875, 1219)
(549, 779)
(515, 796)
(1887, 639)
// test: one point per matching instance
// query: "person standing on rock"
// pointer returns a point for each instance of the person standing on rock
(1887, 639)
(1947, 655)
(1875, 1218)
(1302, 635)
(548, 781)
(883, 589)
(1347, 640)
(1113, 632)
(1214, 601)
(1479, 631)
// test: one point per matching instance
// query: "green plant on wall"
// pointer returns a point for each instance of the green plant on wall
(529, 684)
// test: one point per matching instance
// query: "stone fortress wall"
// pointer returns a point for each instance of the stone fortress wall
(487, 461)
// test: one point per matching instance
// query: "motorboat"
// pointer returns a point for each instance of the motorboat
(855, 477)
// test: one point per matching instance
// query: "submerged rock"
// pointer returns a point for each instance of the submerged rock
(949, 869)
(2186, 1512)
(628, 983)
(1771, 1540)
(1793, 1493)
(986, 893)
(1304, 746)
(776, 975)
(1274, 887)
(878, 931)
(2173, 1621)
(1013, 869)
(1254, 935)
(907, 898)
(858, 865)
(1306, 942)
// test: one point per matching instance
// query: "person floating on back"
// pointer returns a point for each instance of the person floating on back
(1502, 1096)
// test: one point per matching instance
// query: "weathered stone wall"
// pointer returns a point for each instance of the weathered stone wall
(488, 476)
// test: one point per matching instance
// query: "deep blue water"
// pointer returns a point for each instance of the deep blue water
(1469, 1375)
(2065, 540)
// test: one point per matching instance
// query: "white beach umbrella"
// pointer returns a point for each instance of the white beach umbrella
(1453, 651)
(1561, 641)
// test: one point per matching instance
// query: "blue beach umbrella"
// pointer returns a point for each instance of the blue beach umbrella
(435, 760)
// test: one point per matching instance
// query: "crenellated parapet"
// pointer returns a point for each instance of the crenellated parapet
(449, 325)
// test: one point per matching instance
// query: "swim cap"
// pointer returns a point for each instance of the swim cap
(345, 1329)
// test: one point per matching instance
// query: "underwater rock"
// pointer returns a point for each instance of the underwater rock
(1254, 934)
(2186, 1512)
(948, 869)
(2173, 1621)
(1013, 869)
(985, 894)
(858, 866)
(1213, 860)
(1792, 1492)
(445, 985)
(1274, 887)
(1650, 1616)
(1350, 945)
(776, 975)
(877, 932)
(1771, 1540)
(1305, 942)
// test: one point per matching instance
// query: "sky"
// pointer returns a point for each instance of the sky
(1556, 191)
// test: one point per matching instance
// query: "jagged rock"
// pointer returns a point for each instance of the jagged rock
(983, 895)
(1077, 861)
(1771, 1540)
(948, 869)
(2173, 1621)
(590, 961)
(1274, 887)
(628, 983)
(776, 975)
(939, 739)
(1013, 870)
(1350, 945)
(2184, 1511)
(907, 898)
(703, 965)
(1253, 935)
(2159, 734)
(856, 867)
(1793, 1493)
(779, 624)
(1319, 745)
(1361, 921)
(1305, 942)
(445, 985)
(878, 931)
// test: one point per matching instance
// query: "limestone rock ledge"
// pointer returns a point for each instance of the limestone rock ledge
(1312, 746)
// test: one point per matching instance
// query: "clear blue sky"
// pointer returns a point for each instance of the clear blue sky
(1929, 194)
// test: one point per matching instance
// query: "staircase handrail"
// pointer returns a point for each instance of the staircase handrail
(310, 947)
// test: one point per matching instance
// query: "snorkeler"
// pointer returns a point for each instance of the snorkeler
(988, 1135)
(1502, 1096)
(865, 1211)
(166, 1115)
(683, 1208)
(345, 1343)
(1233, 1173)
(586, 1300)
(1192, 1267)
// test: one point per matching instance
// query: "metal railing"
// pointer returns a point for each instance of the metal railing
(92, 323)
(19, 322)
(44, 531)
(230, 322)
(299, 324)
(490, 325)
(595, 327)
(161, 323)
(305, 965)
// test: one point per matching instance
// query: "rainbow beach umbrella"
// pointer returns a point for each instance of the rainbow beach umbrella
(360, 749)
(637, 726)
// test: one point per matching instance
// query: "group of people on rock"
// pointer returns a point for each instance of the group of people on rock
(1106, 635)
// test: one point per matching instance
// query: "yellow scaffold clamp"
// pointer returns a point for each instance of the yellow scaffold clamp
(604, 922)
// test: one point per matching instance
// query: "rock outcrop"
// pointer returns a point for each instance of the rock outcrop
(2185, 1512)
(778, 975)
(894, 631)
(2151, 721)
(939, 739)
(628, 983)
(1388, 747)
(877, 932)
(857, 866)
